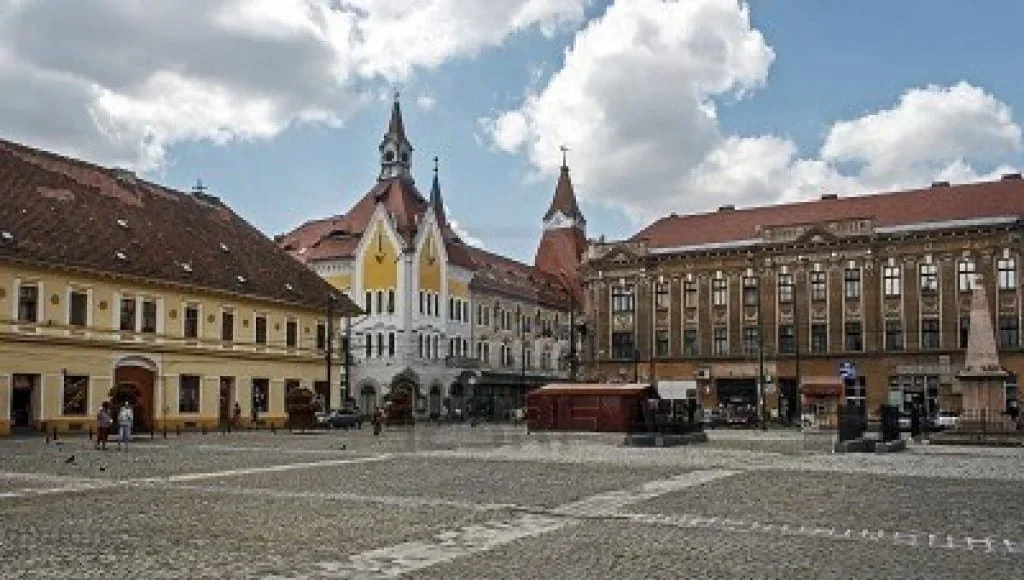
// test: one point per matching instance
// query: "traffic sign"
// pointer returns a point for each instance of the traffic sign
(847, 370)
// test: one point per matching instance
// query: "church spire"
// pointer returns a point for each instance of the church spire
(395, 149)
(564, 211)
(435, 196)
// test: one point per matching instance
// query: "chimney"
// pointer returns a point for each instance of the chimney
(828, 196)
(729, 207)
(940, 184)
(1011, 176)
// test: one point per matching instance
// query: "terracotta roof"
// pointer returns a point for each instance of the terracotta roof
(932, 204)
(63, 212)
(565, 198)
(496, 273)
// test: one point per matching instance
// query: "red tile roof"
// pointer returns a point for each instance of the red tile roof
(559, 254)
(62, 212)
(933, 204)
(496, 273)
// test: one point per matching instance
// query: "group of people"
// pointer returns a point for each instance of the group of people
(105, 422)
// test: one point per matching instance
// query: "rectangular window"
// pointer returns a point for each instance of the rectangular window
(191, 328)
(787, 339)
(451, 308)
(819, 285)
(622, 345)
(149, 316)
(661, 300)
(964, 331)
(891, 281)
(751, 340)
(785, 288)
(78, 309)
(369, 345)
(893, 335)
(1007, 273)
(965, 275)
(380, 345)
(291, 333)
(391, 300)
(750, 294)
(368, 302)
(661, 343)
(188, 393)
(76, 395)
(1009, 336)
(719, 291)
(422, 308)
(227, 326)
(929, 278)
(622, 299)
(261, 329)
(690, 294)
(261, 395)
(420, 342)
(437, 310)
(854, 340)
(321, 336)
(479, 314)
(28, 303)
(929, 333)
(691, 346)
(380, 301)
(128, 314)
(720, 343)
(851, 283)
(819, 338)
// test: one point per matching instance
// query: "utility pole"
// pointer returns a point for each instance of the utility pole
(522, 363)
(572, 336)
(346, 345)
(329, 340)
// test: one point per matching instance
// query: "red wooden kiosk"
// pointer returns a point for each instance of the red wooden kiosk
(587, 407)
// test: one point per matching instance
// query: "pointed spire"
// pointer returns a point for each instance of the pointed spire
(982, 354)
(435, 195)
(396, 127)
(564, 201)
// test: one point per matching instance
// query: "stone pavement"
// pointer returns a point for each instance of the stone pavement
(496, 502)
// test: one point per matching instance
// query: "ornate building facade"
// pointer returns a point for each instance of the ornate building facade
(789, 292)
(116, 289)
(454, 325)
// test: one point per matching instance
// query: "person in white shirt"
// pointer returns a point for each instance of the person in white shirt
(125, 417)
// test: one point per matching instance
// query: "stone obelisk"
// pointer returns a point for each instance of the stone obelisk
(982, 382)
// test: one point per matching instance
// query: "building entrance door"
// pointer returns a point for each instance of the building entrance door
(24, 402)
(227, 398)
(134, 385)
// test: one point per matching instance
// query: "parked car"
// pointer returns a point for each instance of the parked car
(947, 419)
(343, 419)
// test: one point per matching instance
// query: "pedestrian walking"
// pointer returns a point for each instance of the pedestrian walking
(103, 422)
(378, 419)
(237, 416)
(125, 418)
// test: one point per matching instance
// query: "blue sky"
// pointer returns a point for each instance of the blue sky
(821, 62)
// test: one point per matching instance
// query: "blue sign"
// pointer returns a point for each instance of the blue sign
(847, 370)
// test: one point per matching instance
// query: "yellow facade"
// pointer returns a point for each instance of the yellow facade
(430, 264)
(458, 288)
(45, 362)
(339, 281)
(379, 259)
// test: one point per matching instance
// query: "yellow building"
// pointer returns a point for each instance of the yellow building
(113, 288)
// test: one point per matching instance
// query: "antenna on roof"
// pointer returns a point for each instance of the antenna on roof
(564, 150)
(199, 187)
(435, 164)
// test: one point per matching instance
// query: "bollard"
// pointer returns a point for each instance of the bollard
(54, 433)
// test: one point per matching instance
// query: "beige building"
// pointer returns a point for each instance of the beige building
(114, 288)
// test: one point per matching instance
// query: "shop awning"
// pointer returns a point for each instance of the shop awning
(825, 386)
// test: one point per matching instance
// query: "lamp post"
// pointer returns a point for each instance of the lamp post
(329, 338)
(760, 357)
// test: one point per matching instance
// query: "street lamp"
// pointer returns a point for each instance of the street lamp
(760, 354)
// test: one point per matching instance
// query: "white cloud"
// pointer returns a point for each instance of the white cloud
(636, 103)
(426, 102)
(464, 234)
(128, 78)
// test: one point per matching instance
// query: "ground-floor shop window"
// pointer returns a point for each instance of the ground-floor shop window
(261, 395)
(76, 395)
(188, 394)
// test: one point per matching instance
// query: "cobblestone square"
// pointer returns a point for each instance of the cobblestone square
(496, 502)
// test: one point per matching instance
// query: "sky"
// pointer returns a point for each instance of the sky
(665, 106)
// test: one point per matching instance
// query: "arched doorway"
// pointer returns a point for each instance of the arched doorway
(434, 401)
(134, 380)
(403, 398)
(367, 400)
